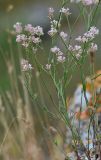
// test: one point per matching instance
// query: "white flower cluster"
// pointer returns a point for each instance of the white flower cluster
(25, 65)
(93, 47)
(66, 11)
(55, 24)
(18, 27)
(86, 2)
(53, 29)
(89, 35)
(50, 12)
(63, 35)
(48, 66)
(59, 55)
(28, 34)
(77, 50)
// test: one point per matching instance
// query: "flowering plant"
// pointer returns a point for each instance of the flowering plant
(79, 115)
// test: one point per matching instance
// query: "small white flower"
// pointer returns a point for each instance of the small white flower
(38, 31)
(65, 11)
(36, 40)
(93, 47)
(29, 28)
(52, 32)
(25, 44)
(32, 35)
(50, 12)
(85, 2)
(61, 59)
(25, 65)
(18, 27)
(77, 48)
(63, 35)
(89, 35)
(78, 55)
(70, 48)
(89, 2)
(48, 66)
(77, 51)
(18, 38)
(21, 38)
(94, 30)
(34, 30)
(55, 49)
(54, 24)
(79, 39)
(59, 53)
(84, 39)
